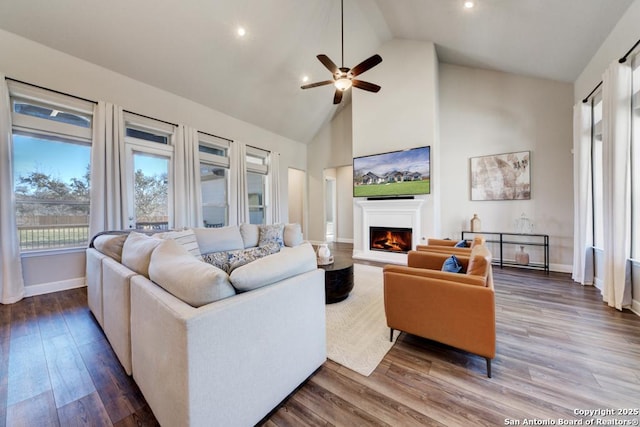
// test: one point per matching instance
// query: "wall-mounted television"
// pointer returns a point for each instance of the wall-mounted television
(393, 174)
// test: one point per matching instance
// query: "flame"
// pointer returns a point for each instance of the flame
(392, 241)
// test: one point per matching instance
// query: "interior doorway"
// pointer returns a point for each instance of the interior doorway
(330, 205)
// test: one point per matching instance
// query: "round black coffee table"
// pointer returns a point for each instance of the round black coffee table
(338, 279)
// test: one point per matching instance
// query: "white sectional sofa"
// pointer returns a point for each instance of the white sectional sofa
(206, 347)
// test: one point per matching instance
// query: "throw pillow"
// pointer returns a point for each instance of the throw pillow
(187, 278)
(219, 239)
(271, 233)
(110, 245)
(250, 234)
(292, 235)
(230, 260)
(452, 265)
(137, 250)
(287, 263)
(185, 238)
(461, 244)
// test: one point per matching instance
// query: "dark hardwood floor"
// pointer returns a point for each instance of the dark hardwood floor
(559, 349)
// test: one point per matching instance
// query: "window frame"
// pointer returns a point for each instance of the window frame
(50, 131)
(209, 159)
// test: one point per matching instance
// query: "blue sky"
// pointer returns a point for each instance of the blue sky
(63, 160)
(414, 160)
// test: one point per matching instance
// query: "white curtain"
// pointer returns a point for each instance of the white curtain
(239, 162)
(274, 160)
(11, 281)
(107, 170)
(187, 196)
(616, 137)
(582, 201)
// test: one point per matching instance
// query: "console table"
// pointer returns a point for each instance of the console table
(517, 239)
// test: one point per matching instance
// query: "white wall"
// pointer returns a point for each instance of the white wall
(330, 148)
(404, 114)
(487, 112)
(624, 35)
(37, 64)
(344, 192)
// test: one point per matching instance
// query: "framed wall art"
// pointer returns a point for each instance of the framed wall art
(501, 176)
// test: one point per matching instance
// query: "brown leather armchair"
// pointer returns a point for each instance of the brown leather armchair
(448, 246)
(457, 309)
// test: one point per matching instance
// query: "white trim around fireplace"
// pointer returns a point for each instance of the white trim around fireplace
(401, 213)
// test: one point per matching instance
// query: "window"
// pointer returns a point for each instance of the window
(257, 171)
(214, 180)
(149, 172)
(51, 163)
(635, 160)
(597, 172)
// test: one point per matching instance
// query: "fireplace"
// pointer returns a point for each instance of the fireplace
(390, 239)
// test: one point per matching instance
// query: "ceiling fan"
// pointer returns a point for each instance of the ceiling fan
(343, 77)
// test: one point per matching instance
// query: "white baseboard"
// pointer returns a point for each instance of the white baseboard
(598, 283)
(47, 288)
(561, 268)
(344, 240)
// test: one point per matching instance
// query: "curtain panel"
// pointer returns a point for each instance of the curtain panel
(616, 138)
(187, 196)
(239, 161)
(107, 170)
(274, 171)
(582, 195)
(11, 280)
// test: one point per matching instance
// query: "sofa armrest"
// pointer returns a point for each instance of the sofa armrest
(231, 361)
(458, 314)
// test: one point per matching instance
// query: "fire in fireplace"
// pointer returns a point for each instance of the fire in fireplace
(390, 239)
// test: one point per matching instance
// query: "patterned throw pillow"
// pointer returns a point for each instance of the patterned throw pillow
(271, 233)
(185, 238)
(230, 260)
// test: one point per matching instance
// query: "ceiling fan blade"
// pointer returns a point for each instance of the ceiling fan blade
(316, 84)
(365, 65)
(328, 63)
(360, 84)
(337, 98)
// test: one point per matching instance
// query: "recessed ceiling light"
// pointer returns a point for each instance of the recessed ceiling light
(305, 79)
(241, 31)
(469, 4)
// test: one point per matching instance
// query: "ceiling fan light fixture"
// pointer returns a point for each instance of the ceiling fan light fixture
(343, 84)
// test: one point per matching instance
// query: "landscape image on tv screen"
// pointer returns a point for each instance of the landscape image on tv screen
(398, 173)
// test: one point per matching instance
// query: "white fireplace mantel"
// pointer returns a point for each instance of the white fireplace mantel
(400, 213)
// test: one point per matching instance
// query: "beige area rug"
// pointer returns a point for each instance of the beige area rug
(357, 332)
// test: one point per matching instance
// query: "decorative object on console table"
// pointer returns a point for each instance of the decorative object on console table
(522, 257)
(324, 254)
(501, 176)
(523, 225)
(475, 223)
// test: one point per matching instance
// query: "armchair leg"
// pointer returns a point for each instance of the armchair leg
(488, 367)
(390, 334)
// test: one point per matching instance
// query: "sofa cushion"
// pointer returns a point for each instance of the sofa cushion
(250, 234)
(292, 235)
(136, 252)
(185, 238)
(219, 239)
(230, 260)
(181, 274)
(452, 265)
(287, 263)
(110, 245)
(270, 233)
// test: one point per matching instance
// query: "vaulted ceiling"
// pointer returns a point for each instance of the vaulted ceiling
(191, 48)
